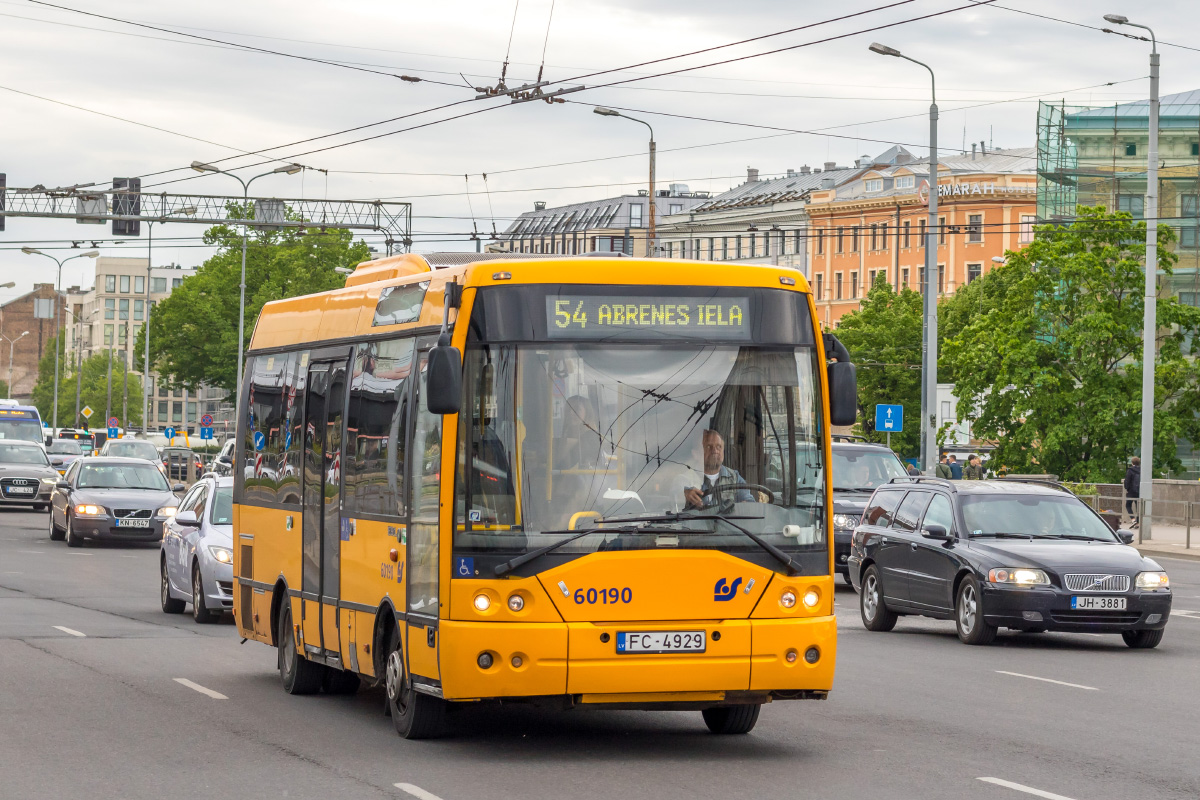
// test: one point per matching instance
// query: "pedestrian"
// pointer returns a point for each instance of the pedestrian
(1133, 488)
(955, 468)
(913, 471)
(974, 469)
(943, 469)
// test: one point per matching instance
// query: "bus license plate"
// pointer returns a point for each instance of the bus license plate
(1098, 603)
(133, 523)
(661, 642)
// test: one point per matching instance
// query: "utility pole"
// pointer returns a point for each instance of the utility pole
(108, 402)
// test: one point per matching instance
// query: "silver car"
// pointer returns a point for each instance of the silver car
(119, 499)
(196, 564)
(26, 477)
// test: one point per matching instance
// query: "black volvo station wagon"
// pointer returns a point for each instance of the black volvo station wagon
(1029, 556)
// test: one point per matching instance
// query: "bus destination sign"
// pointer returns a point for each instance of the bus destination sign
(600, 317)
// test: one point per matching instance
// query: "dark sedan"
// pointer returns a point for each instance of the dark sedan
(992, 554)
(858, 467)
(125, 499)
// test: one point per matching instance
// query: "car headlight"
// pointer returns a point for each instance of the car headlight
(844, 521)
(1153, 580)
(166, 511)
(222, 554)
(88, 510)
(50, 481)
(1019, 576)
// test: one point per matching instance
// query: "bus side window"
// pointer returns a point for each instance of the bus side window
(425, 460)
(376, 429)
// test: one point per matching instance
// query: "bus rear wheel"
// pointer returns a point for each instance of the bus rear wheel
(299, 675)
(415, 715)
(727, 720)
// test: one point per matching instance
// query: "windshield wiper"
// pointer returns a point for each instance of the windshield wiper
(525, 558)
(1002, 535)
(1075, 536)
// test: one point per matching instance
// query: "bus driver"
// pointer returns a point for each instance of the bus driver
(715, 473)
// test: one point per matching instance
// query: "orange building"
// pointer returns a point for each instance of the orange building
(876, 224)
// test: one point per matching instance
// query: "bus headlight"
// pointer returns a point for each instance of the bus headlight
(787, 599)
(811, 598)
(516, 602)
(482, 602)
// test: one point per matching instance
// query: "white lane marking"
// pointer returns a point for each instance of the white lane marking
(416, 791)
(1048, 680)
(33, 552)
(1026, 789)
(70, 631)
(1181, 612)
(81, 554)
(201, 689)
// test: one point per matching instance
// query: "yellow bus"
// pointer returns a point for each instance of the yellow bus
(560, 480)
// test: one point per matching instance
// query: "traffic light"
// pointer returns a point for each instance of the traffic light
(85, 426)
(127, 204)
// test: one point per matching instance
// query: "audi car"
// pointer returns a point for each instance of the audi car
(26, 477)
(119, 499)
(1025, 555)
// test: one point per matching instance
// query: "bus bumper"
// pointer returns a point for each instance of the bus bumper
(750, 658)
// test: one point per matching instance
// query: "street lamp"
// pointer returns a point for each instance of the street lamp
(929, 347)
(1150, 311)
(12, 343)
(288, 169)
(608, 112)
(146, 388)
(57, 317)
(79, 356)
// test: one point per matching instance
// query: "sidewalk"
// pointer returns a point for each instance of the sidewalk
(1169, 541)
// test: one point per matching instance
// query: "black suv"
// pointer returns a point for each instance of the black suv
(1030, 556)
(858, 468)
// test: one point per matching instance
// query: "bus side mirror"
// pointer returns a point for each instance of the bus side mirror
(443, 380)
(843, 393)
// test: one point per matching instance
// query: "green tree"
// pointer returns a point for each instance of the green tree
(194, 332)
(884, 340)
(93, 389)
(1049, 352)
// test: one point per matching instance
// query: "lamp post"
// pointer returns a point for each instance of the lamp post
(146, 388)
(79, 356)
(1150, 311)
(12, 343)
(608, 112)
(929, 346)
(57, 317)
(289, 169)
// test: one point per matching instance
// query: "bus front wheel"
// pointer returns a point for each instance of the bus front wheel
(415, 715)
(731, 719)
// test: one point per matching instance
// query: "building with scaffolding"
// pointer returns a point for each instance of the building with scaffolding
(1096, 156)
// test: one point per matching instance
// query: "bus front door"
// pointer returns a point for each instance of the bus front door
(322, 520)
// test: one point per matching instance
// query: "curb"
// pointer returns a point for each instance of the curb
(1153, 552)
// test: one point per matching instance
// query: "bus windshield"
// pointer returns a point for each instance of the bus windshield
(25, 430)
(554, 437)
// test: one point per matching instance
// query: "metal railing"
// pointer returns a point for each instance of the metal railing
(1172, 519)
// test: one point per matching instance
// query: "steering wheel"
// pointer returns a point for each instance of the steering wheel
(720, 488)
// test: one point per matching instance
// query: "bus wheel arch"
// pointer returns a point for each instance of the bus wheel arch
(278, 594)
(385, 623)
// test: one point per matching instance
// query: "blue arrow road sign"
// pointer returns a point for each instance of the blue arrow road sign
(169, 433)
(889, 419)
(206, 433)
(260, 440)
(113, 433)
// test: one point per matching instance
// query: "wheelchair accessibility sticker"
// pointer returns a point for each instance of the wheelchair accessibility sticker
(464, 567)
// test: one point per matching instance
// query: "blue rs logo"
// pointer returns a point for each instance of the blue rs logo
(721, 592)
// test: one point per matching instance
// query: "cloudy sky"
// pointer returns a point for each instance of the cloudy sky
(87, 98)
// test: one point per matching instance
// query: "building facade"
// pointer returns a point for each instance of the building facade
(1096, 156)
(110, 316)
(875, 223)
(27, 325)
(612, 225)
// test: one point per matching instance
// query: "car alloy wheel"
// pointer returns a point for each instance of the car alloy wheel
(170, 605)
(968, 609)
(969, 618)
(876, 616)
